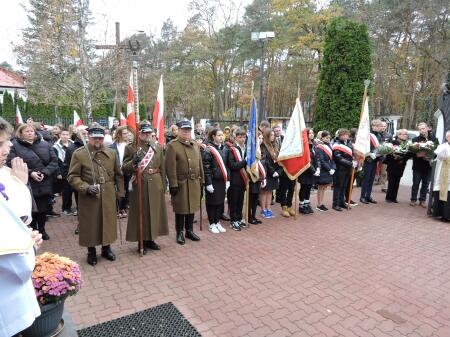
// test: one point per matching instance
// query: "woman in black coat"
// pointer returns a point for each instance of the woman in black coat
(396, 163)
(307, 178)
(217, 179)
(42, 164)
(326, 168)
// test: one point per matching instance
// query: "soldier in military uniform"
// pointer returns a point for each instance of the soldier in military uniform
(149, 159)
(95, 174)
(184, 170)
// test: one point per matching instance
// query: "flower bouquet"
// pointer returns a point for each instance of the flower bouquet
(401, 149)
(55, 278)
(385, 149)
(425, 149)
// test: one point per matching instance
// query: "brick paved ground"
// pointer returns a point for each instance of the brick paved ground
(382, 270)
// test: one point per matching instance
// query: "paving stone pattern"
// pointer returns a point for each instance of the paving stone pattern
(375, 271)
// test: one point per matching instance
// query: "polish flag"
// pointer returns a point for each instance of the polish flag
(158, 113)
(77, 121)
(123, 120)
(294, 155)
(19, 119)
(131, 117)
(362, 143)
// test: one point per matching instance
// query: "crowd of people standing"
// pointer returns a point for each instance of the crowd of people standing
(129, 177)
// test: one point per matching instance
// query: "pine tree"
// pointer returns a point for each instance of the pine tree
(8, 106)
(346, 64)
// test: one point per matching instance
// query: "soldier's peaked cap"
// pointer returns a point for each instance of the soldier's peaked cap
(145, 127)
(184, 125)
(96, 131)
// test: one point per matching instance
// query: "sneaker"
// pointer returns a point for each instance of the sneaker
(75, 213)
(269, 213)
(220, 228)
(413, 203)
(235, 226)
(353, 204)
(242, 224)
(213, 229)
(67, 212)
(322, 208)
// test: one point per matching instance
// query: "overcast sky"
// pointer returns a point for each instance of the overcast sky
(132, 14)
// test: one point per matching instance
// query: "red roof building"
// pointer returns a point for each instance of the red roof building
(11, 82)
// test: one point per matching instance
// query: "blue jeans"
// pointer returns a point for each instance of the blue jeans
(419, 176)
(369, 176)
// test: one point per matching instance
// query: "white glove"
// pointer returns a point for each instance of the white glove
(317, 173)
(332, 171)
(275, 175)
(210, 188)
(264, 183)
(372, 155)
(227, 185)
(354, 163)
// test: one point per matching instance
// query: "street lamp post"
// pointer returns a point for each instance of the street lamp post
(261, 38)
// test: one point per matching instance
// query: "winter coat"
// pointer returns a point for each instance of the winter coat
(421, 163)
(342, 159)
(213, 174)
(235, 166)
(307, 177)
(154, 210)
(396, 163)
(184, 170)
(77, 143)
(60, 151)
(39, 156)
(97, 215)
(325, 163)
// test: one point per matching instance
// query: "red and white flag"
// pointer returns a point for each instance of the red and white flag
(158, 113)
(123, 120)
(19, 119)
(77, 121)
(361, 147)
(294, 154)
(131, 116)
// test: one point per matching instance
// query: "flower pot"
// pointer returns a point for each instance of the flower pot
(47, 322)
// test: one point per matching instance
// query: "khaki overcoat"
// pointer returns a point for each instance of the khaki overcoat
(97, 215)
(184, 170)
(154, 209)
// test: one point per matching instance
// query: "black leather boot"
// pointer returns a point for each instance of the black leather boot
(92, 256)
(107, 253)
(189, 225)
(179, 226)
(152, 245)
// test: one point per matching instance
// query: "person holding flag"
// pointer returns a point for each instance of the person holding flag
(238, 180)
(217, 179)
(254, 188)
(370, 163)
(147, 157)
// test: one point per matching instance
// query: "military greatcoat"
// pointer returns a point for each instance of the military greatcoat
(96, 214)
(184, 170)
(153, 200)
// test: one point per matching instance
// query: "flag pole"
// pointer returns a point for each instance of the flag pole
(366, 85)
(297, 184)
(247, 184)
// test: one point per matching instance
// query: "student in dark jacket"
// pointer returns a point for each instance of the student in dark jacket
(422, 167)
(325, 168)
(343, 158)
(396, 163)
(269, 155)
(307, 178)
(238, 178)
(42, 165)
(217, 178)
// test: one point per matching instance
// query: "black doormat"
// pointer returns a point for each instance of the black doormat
(162, 320)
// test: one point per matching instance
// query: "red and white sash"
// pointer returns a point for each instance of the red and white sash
(237, 156)
(343, 148)
(326, 149)
(142, 165)
(219, 161)
(374, 140)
